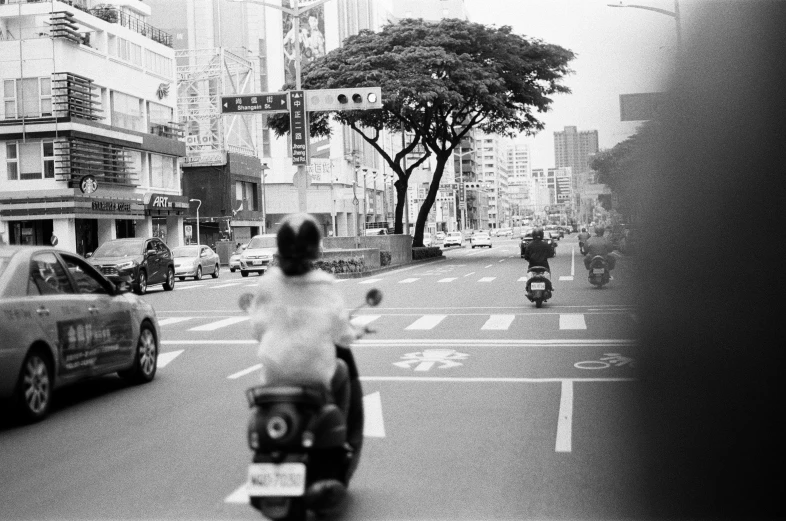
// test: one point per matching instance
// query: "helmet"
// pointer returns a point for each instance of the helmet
(298, 242)
(584, 229)
(599, 231)
(537, 233)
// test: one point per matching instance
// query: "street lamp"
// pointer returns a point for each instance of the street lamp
(265, 168)
(197, 217)
(674, 14)
(295, 11)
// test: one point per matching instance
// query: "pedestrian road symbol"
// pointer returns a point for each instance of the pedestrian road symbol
(428, 358)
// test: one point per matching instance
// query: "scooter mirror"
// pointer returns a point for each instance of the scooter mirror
(245, 301)
(373, 297)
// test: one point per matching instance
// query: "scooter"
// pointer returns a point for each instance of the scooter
(598, 271)
(539, 286)
(306, 447)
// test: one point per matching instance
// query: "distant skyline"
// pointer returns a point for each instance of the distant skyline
(619, 51)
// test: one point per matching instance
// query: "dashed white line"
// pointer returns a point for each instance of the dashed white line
(408, 281)
(369, 281)
(449, 279)
(164, 358)
(499, 322)
(490, 265)
(572, 321)
(364, 320)
(486, 279)
(565, 420)
(226, 285)
(470, 273)
(426, 322)
(244, 372)
(219, 324)
(172, 320)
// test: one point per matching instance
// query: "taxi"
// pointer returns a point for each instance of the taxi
(61, 322)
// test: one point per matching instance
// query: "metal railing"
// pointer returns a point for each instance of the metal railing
(115, 16)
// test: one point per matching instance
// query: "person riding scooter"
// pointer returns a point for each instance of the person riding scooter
(538, 252)
(299, 318)
(599, 245)
(583, 236)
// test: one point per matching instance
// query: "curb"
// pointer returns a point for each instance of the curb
(362, 274)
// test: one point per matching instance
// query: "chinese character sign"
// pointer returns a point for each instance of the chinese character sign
(311, 38)
(299, 131)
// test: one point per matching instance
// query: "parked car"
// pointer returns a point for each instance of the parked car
(63, 322)
(480, 239)
(453, 239)
(556, 231)
(234, 259)
(504, 232)
(141, 262)
(196, 260)
(258, 254)
(376, 231)
(440, 236)
(526, 238)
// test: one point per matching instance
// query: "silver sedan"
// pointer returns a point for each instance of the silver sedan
(195, 261)
(62, 321)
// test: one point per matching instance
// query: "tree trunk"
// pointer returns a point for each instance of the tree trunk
(401, 193)
(431, 196)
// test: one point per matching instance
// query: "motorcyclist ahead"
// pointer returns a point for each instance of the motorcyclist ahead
(583, 236)
(538, 252)
(599, 245)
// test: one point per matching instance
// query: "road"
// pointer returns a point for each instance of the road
(479, 405)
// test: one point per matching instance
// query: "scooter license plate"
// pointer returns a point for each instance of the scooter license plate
(535, 286)
(598, 271)
(276, 479)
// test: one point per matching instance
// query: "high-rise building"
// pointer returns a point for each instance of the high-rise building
(493, 173)
(90, 145)
(428, 9)
(574, 148)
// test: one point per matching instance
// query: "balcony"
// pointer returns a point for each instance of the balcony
(74, 96)
(115, 16)
(170, 130)
(108, 163)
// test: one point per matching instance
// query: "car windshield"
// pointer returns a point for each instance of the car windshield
(262, 241)
(119, 249)
(482, 235)
(186, 251)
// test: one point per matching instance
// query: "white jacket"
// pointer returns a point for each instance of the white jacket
(298, 321)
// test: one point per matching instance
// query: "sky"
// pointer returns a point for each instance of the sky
(619, 51)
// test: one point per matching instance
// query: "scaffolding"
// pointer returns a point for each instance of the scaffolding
(203, 77)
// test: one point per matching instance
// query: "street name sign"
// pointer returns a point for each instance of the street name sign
(298, 123)
(269, 102)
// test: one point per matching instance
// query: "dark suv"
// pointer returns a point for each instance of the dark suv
(142, 262)
(526, 238)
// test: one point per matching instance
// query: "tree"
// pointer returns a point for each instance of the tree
(439, 80)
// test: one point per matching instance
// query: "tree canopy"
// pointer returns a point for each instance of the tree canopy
(439, 80)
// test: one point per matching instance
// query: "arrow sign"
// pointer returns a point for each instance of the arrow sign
(428, 358)
(268, 102)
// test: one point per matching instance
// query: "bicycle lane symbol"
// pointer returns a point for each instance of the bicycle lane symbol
(606, 361)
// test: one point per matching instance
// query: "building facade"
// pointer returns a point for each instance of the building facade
(90, 146)
(574, 148)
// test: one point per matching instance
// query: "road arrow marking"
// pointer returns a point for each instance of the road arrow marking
(565, 419)
(373, 424)
(165, 358)
(428, 358)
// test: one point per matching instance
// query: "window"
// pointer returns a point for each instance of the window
(158, 64)
(126, 112)
(163, 171)
(32, 160)
(27, 98)
(85, 277)
(129, 52)
(159, 114)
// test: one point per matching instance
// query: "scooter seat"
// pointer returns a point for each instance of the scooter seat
(537, 269)
(308, 395)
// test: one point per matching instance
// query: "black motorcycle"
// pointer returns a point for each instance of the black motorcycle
(306, 442)
(598, 271)
(539, 286)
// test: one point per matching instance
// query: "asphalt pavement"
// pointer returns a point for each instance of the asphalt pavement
(478, 405)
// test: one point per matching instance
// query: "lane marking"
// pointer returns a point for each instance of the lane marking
(172, 320)
(226, 285)
(499, 322)
(449, 279)
(407, 281)
(373, 423)
(490, 265)
(488, 380)
(426, 322)
(522, 279)
(572, 262)
(251, 285)
(219, 324)
(487, 279)
(502, 260)
(244, 372)
(364, 320)
(369, 281)
(182, 288)
(470, 273)
(565, 419)
(340, 280)
(438, 342)
(164, 358)
(572, 321)
(566, 277)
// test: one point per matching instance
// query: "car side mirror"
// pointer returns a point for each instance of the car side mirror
(122, 286)
(88, 254)
(151, 252)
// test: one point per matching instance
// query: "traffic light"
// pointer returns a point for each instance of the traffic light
(361, 98)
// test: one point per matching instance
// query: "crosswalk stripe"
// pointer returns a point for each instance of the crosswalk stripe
(573, 321)
(487, 279)
(244, 372)
(499, 322)
(219, 324)
(522, 279)
(449, 279)
(173, 320)
(369, 281)
(226, 285)
(164, 358)
(364, 320)
(426, 322)
(407, 281)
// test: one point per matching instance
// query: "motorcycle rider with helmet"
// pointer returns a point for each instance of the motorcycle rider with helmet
(304, 331)
(538, 252)
(599, 245)
(583, 236)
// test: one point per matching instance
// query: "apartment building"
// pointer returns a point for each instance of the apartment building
(89, 141)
